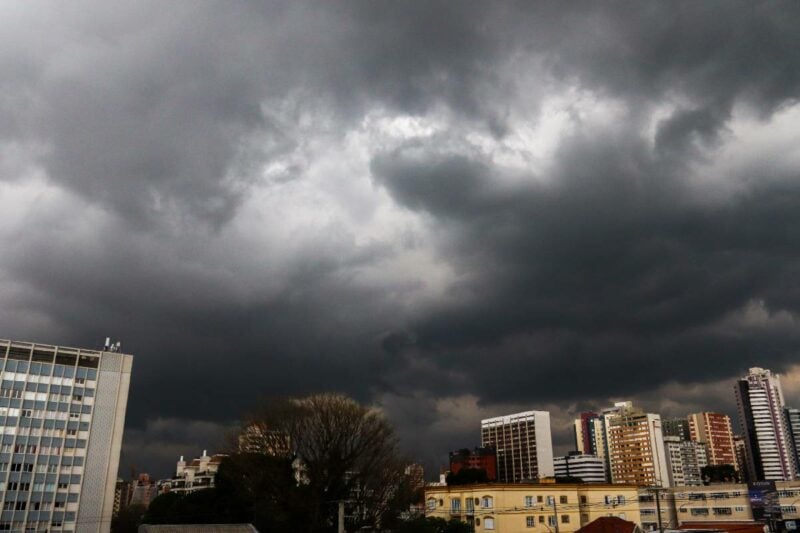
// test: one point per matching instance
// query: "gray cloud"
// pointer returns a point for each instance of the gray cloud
(591, 201)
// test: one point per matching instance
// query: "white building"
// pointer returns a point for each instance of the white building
(523, 444)
(686, 460)
(759, 399)
(587, 468)
(197, 475)
(63, 412)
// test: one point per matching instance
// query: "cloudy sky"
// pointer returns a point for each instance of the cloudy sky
(447, 210)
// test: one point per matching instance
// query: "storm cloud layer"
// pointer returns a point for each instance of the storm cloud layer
(448, 210)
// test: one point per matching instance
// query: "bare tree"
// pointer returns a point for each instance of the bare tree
(343, 452)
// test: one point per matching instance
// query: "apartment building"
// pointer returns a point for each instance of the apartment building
(685, 460)
(714, 429)
(759, 399)
(635, 444)
(523, 444)
(587, 468)
(531, 507)
(62, 413)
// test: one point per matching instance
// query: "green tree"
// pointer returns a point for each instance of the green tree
(468, 476)
(720, 474)
(127, 520)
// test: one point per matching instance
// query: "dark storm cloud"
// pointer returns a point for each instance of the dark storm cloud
(287, 198)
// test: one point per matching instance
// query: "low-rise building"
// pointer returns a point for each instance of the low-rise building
(531, 507)
(196, 475)
(587, 468)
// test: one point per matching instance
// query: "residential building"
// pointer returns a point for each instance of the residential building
(610, 524)
(536, 507)
(716, 504)
(759, 398)
(523, 445)
(675, 427)
(122, 495)
(62, 413)
(740, 449)
(197, 475)
(793, 425)
(479, 458)
(714, 429)
(144, 490)
(587, 468)
(686, 460)
(635, 444)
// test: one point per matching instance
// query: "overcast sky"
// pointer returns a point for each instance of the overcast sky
(447, 210)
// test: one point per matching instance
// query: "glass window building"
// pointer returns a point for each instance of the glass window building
(62, 413)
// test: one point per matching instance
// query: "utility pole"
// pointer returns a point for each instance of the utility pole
(555, 513)
(658, 491)
(341, 516)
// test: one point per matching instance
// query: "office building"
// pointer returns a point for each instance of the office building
(686, 460)
(478, 459)
(542, 507)
(759, 399)
(714, 429)
(587, 468)
(62, 412)
(635, 442)
(523, 445)
(675, 427)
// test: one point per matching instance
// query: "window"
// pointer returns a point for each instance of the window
(551, 521)
(487, 502)
(455, 505)
(583, 499)
(565, 519)
(59, 505)
(539, 499)
(530, 521)
(431, 504)
(488, 523)
(620, 499)
(551, 500)
(699, 512)
(541, 519)
(739, 509)
(789, 509)
(562, 499)
(528, 501)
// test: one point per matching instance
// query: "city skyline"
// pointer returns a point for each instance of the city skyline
(446, 211)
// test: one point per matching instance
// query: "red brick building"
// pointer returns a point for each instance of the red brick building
(478, 458)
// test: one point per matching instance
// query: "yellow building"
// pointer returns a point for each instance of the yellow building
(719, 502)
(531, 507)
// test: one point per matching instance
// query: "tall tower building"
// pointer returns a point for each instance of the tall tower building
(523, 445)
(714, 429)
(759, 398)
(675, 427)
(740, 449)
(636, 453)
(62, 412)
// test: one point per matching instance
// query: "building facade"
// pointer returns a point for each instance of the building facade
(523, 507)
(686, 460)
(676, 427)
(478, 458)
(523, 445)
(793, 425)
(635, 442)
(62, 413)
(197, 475)
(759, 399)
(714, 429)
(587, 468)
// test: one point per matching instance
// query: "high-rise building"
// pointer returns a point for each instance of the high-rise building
(740, 449)
(62, 412)
(686, 460)
(759, 398)
(714, 429)
(523, 445)
(635, 442)
(793, 425)
(675, 427)
(587, 468)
